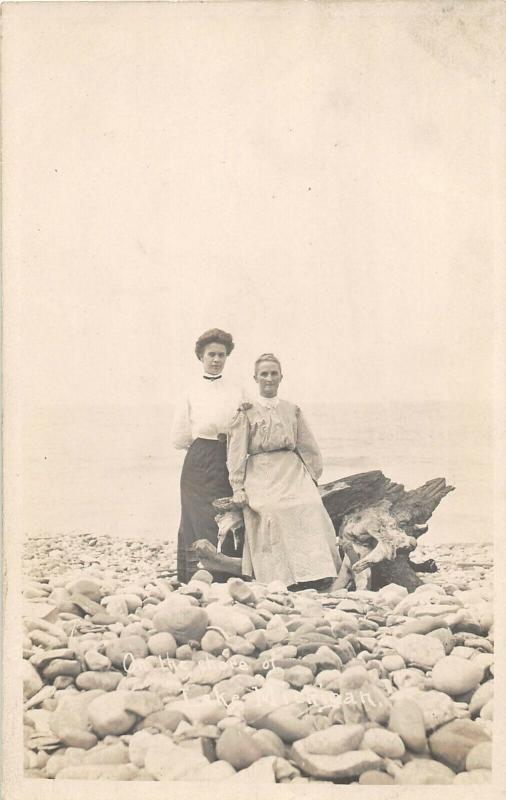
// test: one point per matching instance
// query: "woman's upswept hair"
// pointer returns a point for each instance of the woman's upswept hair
(267, 357)
(213, 335)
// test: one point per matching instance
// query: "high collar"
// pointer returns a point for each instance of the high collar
(268, 402)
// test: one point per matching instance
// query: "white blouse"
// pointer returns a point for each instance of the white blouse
(206, 410)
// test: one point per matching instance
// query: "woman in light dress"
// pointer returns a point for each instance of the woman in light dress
(201, 425)
(274, 464)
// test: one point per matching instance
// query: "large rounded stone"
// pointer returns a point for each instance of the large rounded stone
(240, 591)
(133, 601)
(162, 682)
(353, 678)
(446, 638)
(86, 604)
(200, 711)
(95, 661)
(108, 716)
(334, 767)
(75, 737)
(204, 576)
(61, 666)
(456, 676)
(385, 743)
(329, 679)
(166, 720)
(143, 703)
(474, 776)
(420, 651)
(285, 724)
(335, 740)
(138, 746)
(70, 719)
(376, 704)
(437, 707)
(272, 696)
(32, 682)
(134, 629)
(162, 644)
(391, 595)
(299, 676)
(229, 619)
(406, 719)
(186, 623)
(480, 757)
(60, 760)
(126, 649)
(107, 681)
(211, 672)
(452, 743)
(86, 586)
(408, 678)
(392, 663)
(424, 771)
(269, 743)
(240, 645)
(259, 773)
(116, 606)
(238, 748)
(213, 642)
(116, 753)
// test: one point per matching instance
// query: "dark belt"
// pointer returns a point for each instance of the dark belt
(277, 450)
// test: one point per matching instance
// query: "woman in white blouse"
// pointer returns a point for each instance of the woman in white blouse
(201, 424)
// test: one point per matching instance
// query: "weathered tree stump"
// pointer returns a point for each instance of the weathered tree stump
(378, 523)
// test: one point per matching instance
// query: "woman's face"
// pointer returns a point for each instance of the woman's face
(214, 357)
(268, 376)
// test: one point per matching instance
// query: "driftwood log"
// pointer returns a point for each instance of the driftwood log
(376, 521)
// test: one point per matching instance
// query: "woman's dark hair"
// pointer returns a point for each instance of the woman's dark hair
(213, 335)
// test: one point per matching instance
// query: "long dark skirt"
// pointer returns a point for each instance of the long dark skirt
(204, 478)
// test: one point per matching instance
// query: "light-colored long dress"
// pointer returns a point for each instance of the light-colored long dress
(274, 457)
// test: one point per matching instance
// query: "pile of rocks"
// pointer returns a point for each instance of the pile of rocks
(127, 676)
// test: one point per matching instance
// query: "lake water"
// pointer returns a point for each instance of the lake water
(112, 469)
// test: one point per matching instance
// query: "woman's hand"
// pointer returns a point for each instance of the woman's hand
(240, 498)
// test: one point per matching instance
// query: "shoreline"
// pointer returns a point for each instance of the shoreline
(162, 552)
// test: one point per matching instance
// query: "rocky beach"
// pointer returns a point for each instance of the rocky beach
(129, 675)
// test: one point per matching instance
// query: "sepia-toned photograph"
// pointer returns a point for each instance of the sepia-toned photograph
(253, 374)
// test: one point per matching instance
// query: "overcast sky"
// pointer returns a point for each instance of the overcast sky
(321, 185)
